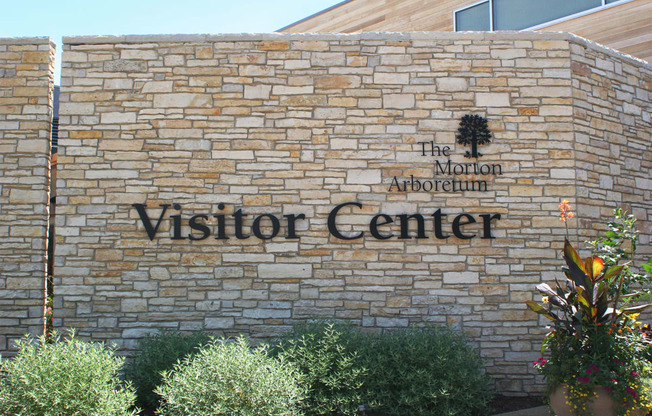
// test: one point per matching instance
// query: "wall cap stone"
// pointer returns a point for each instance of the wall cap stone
(508, 35)
(38, 40)
(226, 37)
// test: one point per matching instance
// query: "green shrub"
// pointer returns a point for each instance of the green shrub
(69, 377)
(332, 373)
(423, 371)
(229, 378)
(158, 353)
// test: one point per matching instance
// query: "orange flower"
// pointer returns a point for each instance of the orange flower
(565, 212)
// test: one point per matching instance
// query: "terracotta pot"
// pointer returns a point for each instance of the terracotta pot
(602, 405)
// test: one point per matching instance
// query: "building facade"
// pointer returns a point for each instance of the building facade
(624, 25)
(243, 183)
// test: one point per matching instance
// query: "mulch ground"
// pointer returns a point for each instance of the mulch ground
(499, 404)
(503, 404)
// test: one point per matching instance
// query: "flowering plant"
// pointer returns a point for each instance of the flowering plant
(596, 344)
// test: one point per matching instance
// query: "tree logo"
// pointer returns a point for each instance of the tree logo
(473, 130)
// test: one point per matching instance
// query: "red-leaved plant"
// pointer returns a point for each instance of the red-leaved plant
(595, 340)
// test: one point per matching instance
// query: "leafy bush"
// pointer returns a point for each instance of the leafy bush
(228, 378)
(332, 373)
(158, 353)
(423, 371)
(69, 377)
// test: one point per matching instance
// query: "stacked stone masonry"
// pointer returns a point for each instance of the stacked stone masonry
(26, 82)
(286, 125)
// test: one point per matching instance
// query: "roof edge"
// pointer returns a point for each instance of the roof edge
(326, 10)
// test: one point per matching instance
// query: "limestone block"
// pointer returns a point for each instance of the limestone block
(247, 258)
(36, 57)
(311, 183)
(121, 65)
(118, 84)
(330, 82)
(68, 108)
(180, 133)
(157, 86)
(525, 190)
(508, 53)
(26, 196)
(452, 84)
(108, 254)
(266, 313)
(356, 255)
(446, 64)
(137, 333)
(118, 144)
(284, 271)
(364, 177)
(343, 144)
(159, 273)
(643, 183)
(70, 56)
(252, 92)
(133, 305)
(328, 59)
(283, 90)
(496, 99)
(461, 277)
(296, 64)
(17, 283)
(118, 118)
(33, 146)
(191, 144)
(271, 45)
(219, 166)
(138, 54)
(256, 71)
(330, 113)
(558, 173)
(398, 101)
(9, 125)
(206, 81)
(387, 322)
(247, 58)
(391, 78)
(250, 122)
(282, 247)
(182, 100)
(219, 322)
(370, 103)
(204, 52)
(545, 92)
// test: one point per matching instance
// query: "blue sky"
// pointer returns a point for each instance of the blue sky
(122, 17)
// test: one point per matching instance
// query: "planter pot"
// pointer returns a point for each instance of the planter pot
(602, 405)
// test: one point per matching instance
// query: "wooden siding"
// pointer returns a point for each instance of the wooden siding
(626, 27)
(383, 15)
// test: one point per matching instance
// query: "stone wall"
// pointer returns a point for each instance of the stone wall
(26, 82)
(286, 128)
(611, 109)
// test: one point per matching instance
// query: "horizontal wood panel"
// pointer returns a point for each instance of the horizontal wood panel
(627, 28)
(399, 16)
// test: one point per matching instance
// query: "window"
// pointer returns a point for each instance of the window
(520, 14)
(475, 17)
